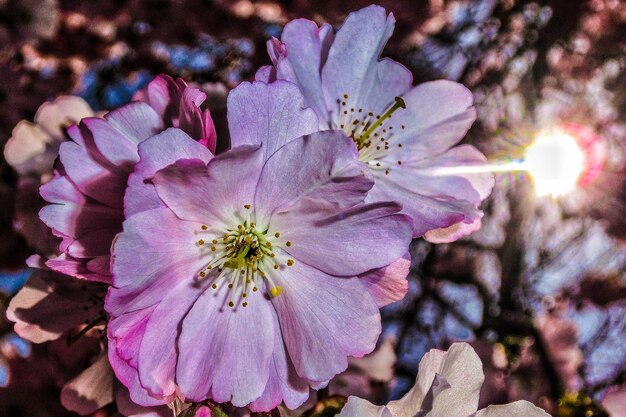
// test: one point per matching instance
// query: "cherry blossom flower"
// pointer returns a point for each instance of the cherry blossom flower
(406, 135)
(87, 194)
(448, 384)
(261, 271)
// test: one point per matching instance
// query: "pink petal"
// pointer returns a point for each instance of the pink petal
(515, 409)
(212, 193)
(388, 284)
(268, 114)
(353, 67)
(157, 355)
(96, 269)
(330, 172)
(224, 352)
(156, 153)
(144, 266)
(307, 48)
(102, 183)
(283, 383)
(136, 121)
(323, 320)
(210, 134)
(425, 212)
(358, 407)
(437, 116)
(347, 242)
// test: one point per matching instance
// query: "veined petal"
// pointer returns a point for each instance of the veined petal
(157, 356)
(224, 352)
(268, 114)
(157, 250)
(137, 121)
(307, 47)
(353, 67)
(283, 383)
(211, 193)
(125, 336)
(437, 116)
(426, 213)
(428, 177)
(323, 166)
(96, 269)
(102, 183)
(91, 227)
(345, 242)
(157, 153)
(388, 284)
(323, 320)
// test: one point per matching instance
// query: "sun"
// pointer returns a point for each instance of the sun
(555, 161)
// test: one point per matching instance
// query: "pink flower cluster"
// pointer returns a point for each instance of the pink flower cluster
(252, 275)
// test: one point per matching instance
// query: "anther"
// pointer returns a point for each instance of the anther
(201, 242)
(277, 234)
(290, 262)
(204, 227)
(288, 243)
(247, 206)
(275, 291)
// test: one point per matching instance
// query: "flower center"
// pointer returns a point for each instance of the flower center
(371, 133)
(242, 258)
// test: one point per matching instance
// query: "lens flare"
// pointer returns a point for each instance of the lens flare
(555, 161)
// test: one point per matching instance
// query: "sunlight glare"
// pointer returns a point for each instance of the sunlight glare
(555, 161)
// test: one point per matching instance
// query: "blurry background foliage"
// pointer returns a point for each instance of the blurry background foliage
(540, 291)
